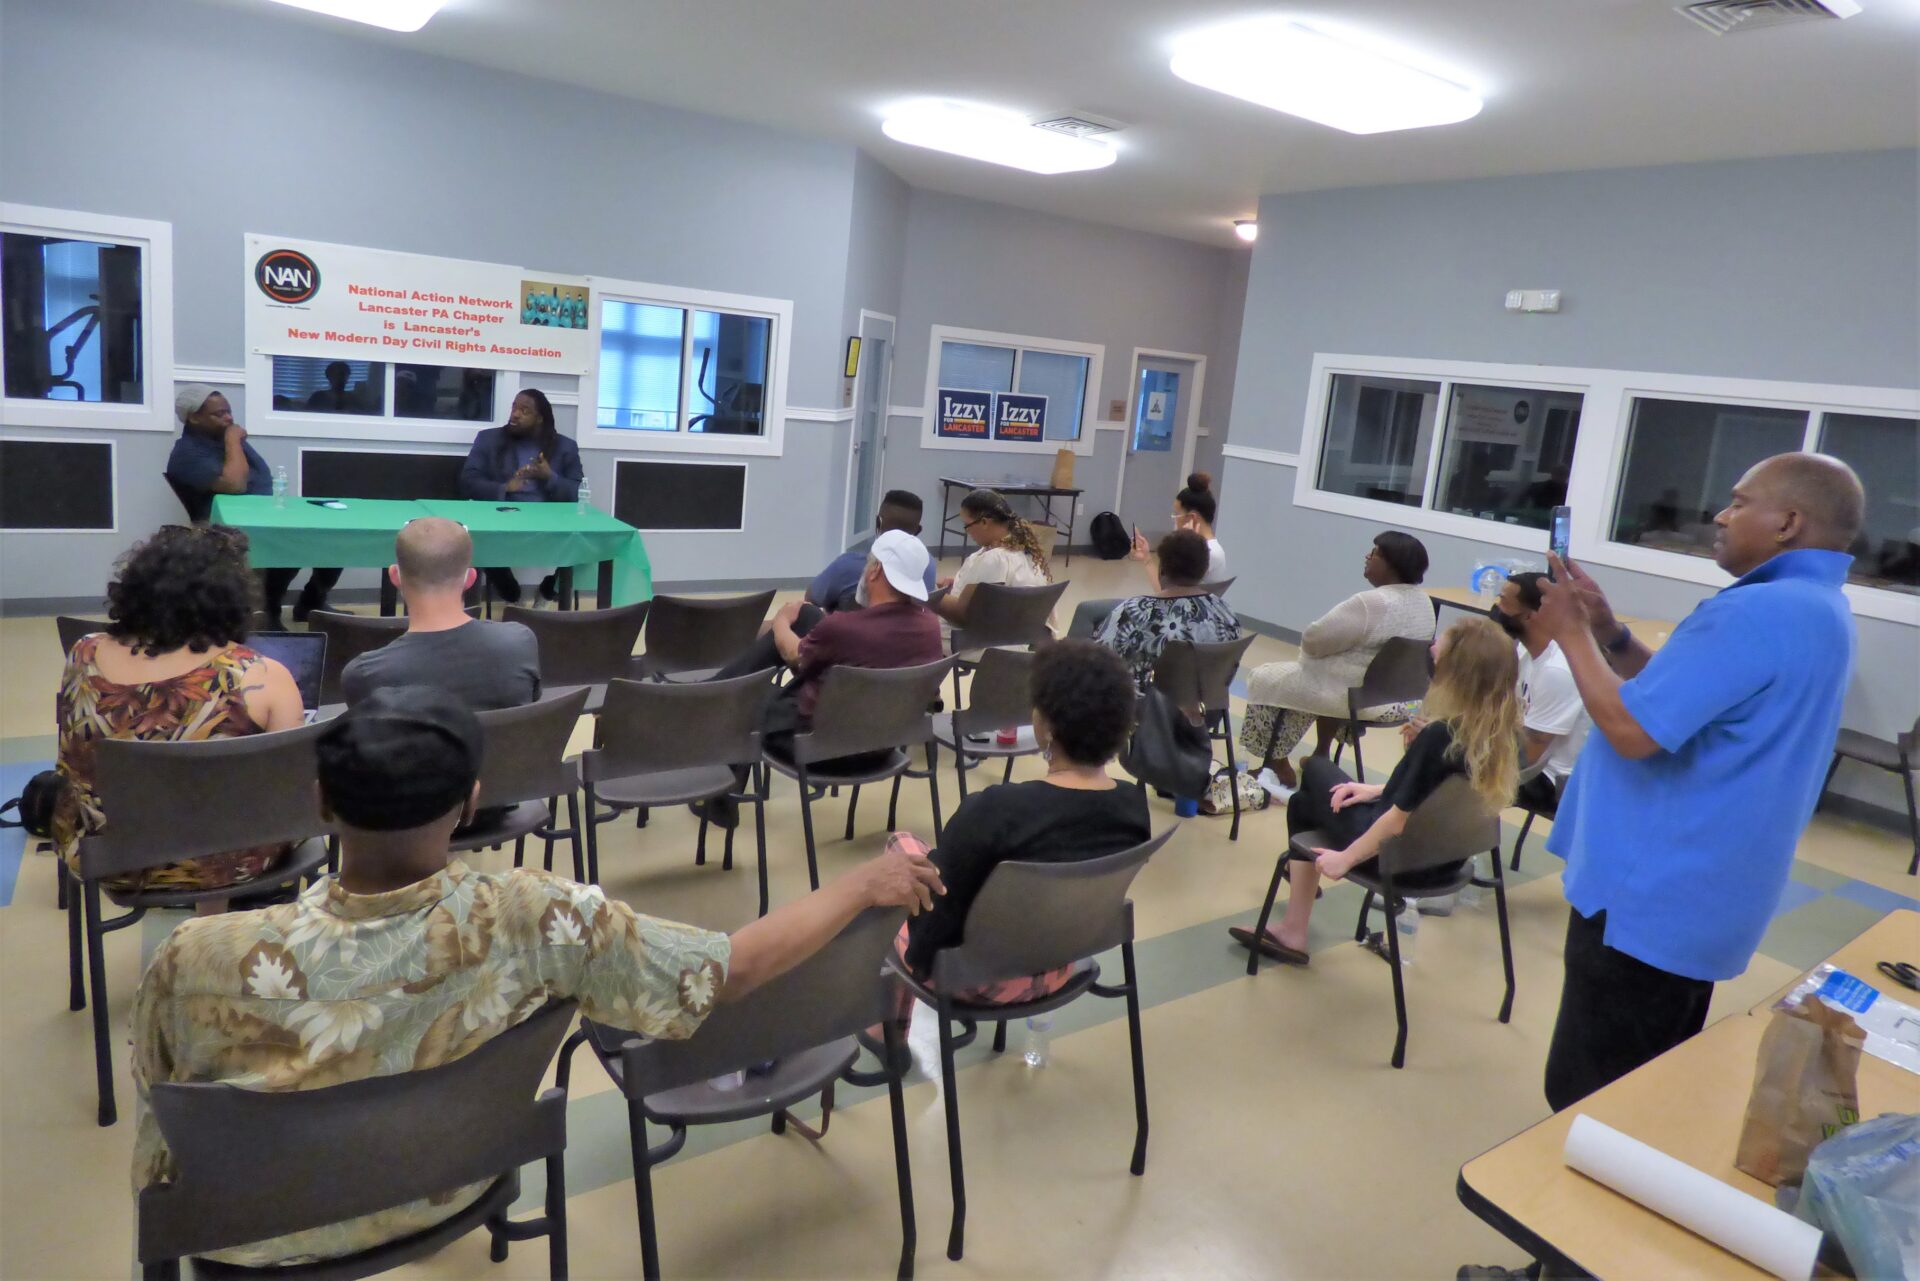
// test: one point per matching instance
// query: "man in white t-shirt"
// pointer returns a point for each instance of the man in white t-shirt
(1556, 720)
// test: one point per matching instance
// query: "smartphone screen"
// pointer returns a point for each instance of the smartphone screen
(1560, 532)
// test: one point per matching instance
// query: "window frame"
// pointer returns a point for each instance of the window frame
(1599, 456)
(1082, 444)
(769, 444)
(265, 420)
(155, 240)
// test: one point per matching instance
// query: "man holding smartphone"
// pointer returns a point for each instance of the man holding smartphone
(1679, 823)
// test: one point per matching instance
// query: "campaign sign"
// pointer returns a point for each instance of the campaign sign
(1018, 416)
(964, 414)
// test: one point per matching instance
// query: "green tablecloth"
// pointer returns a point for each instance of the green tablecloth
(360, 533)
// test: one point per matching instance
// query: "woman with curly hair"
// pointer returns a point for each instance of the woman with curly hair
(1082, 713)
(171, 666)
(1009, 552)
(1473, 729)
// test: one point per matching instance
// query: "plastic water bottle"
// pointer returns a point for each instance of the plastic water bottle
(586, 496)
(1037, 1029)
(1408, 925)
(280, 487)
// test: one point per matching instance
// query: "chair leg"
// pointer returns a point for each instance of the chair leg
(1913, 816)
(1360, 929)
(1233, 777)
(1139, 1164)
(760, 840)
(164, 1270)
(960, 770)
(553, 816)
(1525, 827)
(557, 1216)
(76, 944)
(643, 1192)
(573, 824)
(1399, 985)
(1359, 767)
(933, 789)
(97, 980)
(700, 847)
(591, 820)
(893, 804)
(726, 857)
(956, 1171)
(902, 1166)
(853, 804)
(1506, 939)
(806, 824)
(60, 884)
(1266, 912)
(1000, 1037)
(1006, 775)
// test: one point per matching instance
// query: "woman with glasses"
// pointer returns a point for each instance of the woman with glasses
(1008, 552)
(171, 666)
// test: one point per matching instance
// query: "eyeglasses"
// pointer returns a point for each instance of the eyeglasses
(967, 525)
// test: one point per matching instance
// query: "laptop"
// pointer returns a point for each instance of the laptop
(302, 653)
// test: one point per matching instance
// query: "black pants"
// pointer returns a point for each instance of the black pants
(1616, 1013)
(274, 588)
(1311, 810)
(507, 587)
(1538, 794)
(782, 719)
(764, 654)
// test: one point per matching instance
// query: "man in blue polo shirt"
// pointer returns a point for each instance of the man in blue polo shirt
(832, 589)
(211, 457)
(1706, 760)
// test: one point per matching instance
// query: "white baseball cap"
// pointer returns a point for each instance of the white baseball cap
(904, 560)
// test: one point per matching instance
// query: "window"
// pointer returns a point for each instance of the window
(662, 367)
(1509, 452)
(1378, 433)
(1682, 459)
(365, 389)
(1886, 452)
(86, 307)
(1066, 373)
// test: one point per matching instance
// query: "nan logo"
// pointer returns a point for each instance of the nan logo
(287, 275)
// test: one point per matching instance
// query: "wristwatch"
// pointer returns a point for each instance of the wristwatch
(1619, 643)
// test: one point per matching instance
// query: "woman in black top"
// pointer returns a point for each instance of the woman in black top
(1473, 708)
(1082, 710)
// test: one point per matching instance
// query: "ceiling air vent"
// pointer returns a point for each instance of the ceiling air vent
(1725, 17)
(1078, 126)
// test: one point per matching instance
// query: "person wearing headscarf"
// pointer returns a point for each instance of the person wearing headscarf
(211, 457)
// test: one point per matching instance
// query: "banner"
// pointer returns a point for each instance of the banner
(964, 414)
(305, 298)
(1491, 418)
(1019, 416)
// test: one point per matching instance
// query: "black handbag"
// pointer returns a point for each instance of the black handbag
(35, 804)
(1169, 751)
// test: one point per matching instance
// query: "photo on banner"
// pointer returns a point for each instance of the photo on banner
(307, 298)
(964, 415)
(1019, 416)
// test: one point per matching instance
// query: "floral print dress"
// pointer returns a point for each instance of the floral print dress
(207, 702)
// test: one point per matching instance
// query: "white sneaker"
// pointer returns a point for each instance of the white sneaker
(1271, 784)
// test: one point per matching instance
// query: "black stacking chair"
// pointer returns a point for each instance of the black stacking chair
(998, 697)
(1027, 919)
(999, 615)
(1899, 756)
(1549, 811)
(1399, 673)
(525, 771)
(692, 637)
(582, 646)
(254, 1164)
(793, 1038)
(1432, 857)
(866, 712)
(1199, 674)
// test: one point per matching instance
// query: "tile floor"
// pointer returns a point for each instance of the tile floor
(1282, 1143)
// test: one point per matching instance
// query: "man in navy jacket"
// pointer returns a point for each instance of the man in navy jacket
(527, 461)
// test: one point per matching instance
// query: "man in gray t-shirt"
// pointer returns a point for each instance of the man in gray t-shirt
(485, 665)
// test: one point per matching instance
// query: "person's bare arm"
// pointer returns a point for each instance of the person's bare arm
(767, 948)
(1144, 554)
(1335, 864)
(273, 699)
(785, 639)
(1629, 658)
(1566, 605)
(1538, 745)
(953, 606)
(234, 468)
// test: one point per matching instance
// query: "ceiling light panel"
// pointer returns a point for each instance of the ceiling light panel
(394, 15)
(997, 137)
(1287, 67)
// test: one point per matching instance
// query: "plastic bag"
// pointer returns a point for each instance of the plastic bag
(1862, 1188)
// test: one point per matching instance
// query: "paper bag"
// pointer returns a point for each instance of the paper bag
(1804, 1089)
(1063, 469)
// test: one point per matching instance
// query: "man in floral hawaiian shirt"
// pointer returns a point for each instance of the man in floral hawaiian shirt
(408, 959)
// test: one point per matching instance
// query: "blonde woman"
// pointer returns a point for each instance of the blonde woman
(1009, 552)
(1473, 727)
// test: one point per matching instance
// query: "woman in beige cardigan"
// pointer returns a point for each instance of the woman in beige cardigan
(1334, 653)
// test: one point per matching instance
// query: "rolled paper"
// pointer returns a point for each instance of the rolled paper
(1723, 1214)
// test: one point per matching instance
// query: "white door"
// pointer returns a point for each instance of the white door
(1159, 442)
(872, 385)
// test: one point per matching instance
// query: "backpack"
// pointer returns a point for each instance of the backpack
(34, 804)
(1110, 540)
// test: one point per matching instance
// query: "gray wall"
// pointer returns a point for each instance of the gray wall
(1803, 268)
(984, 266)
(201, 116)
